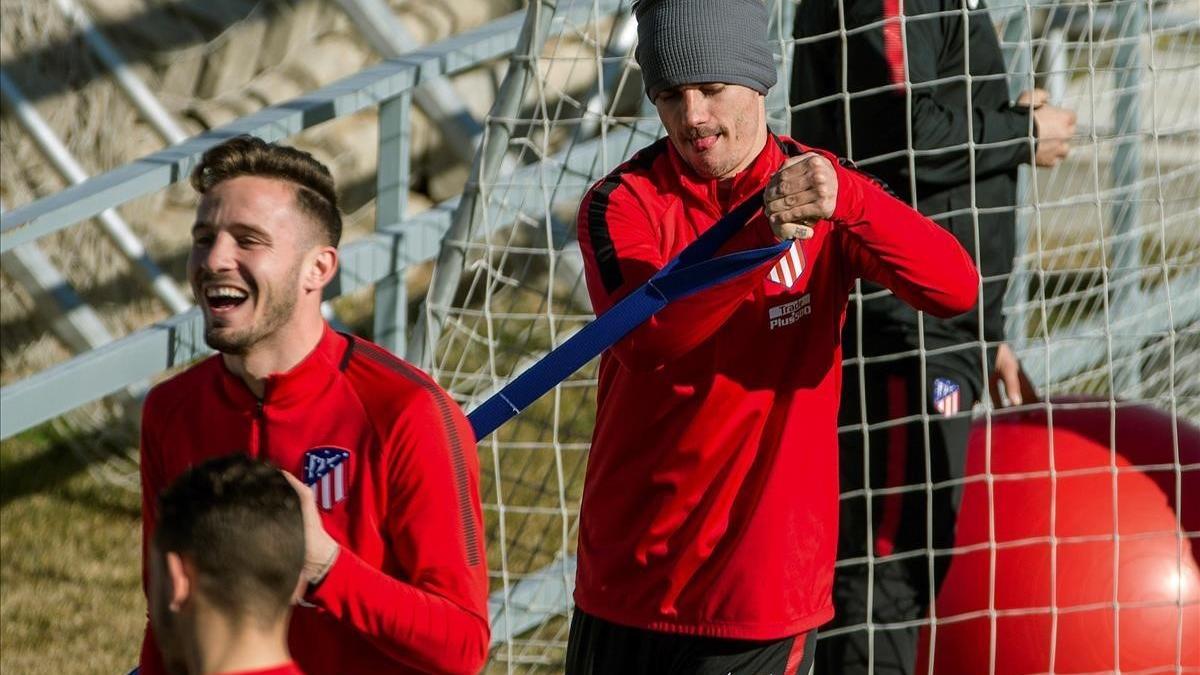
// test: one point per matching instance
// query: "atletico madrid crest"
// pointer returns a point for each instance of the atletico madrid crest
(789, 268)
(325, 472)
(945, 396)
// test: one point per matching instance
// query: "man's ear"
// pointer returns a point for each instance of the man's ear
(180, 573)
(322, 264)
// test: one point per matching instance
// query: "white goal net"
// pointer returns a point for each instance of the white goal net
(1104, 302)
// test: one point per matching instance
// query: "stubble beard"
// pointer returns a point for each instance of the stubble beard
(730, 137)
(738, 154)
(279, 310)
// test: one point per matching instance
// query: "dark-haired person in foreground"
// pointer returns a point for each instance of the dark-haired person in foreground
(709, 516)
(394, 555)
(225, 567)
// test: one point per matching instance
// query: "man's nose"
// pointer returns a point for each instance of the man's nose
(694, 107)
(219, 257)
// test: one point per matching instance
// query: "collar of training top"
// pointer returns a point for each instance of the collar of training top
(733, 191)
(304, 381)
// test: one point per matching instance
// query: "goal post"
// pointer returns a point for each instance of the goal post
(1104, 298)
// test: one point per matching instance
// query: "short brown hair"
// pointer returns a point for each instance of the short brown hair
(250, 156)
(239, 521)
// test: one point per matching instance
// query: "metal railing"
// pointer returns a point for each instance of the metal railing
(379, 259)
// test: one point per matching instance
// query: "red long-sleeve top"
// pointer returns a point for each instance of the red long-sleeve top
(711, 495)
(408, 592)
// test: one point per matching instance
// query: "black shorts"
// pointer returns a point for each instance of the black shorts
(598, 647)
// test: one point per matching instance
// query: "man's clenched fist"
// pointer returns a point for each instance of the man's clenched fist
(804, 190)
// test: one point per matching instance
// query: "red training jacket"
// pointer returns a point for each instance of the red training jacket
(710, 504)
(408, 592)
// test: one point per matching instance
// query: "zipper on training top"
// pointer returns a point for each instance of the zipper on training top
(261, 411)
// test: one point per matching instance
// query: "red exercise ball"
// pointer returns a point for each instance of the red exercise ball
(1054, 604)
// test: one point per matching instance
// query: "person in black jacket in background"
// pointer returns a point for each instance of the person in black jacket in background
(896, 98)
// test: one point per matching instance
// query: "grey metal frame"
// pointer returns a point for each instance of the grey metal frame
(484, 170)
(380, 258)
(162, 169)
(139, 94)
(115, 227)
(387, 36)
(1123, 270)
(56, 301)
(72, 320)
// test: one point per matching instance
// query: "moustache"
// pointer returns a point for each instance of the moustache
(204, 277)
(696, 133)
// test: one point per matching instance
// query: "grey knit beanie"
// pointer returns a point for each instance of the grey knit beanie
(695, 41)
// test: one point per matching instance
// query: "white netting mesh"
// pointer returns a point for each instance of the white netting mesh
(520, 294)
(1094, 228)
(1105, 297)
(1082, 323)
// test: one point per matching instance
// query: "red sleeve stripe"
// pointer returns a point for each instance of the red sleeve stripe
(893, 45)
(458, 458)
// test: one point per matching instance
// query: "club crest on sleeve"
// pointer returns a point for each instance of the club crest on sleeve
(945, 396)
(789, 268)
(324, 471)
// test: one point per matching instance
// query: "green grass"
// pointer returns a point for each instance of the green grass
(70, 562)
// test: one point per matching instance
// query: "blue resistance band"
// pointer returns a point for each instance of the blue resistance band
(693, 270)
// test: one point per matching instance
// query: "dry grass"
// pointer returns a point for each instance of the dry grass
(70, 569)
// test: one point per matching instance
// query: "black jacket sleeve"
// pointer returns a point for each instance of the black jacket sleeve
(886, 57)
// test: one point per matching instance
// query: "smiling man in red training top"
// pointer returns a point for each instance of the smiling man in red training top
(709, 518)
(394, 554)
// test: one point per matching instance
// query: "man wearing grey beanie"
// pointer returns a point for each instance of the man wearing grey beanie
(708, 526)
